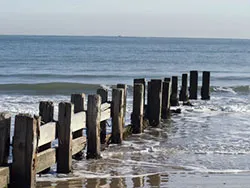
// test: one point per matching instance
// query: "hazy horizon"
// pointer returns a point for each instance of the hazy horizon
(143, 18)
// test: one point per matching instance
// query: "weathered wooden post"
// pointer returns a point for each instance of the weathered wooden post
(46, 111)
(166, 92)
(143, 82)
(93, 127)
(205, 90)
(174, 101)
(117, 115)
(184, 88)
(78, 100)
(5, 119)
(104, 95)
(154, 102)
(138, 105)
(64, 154)
(124, 87)
(25, 145)
(193, 85)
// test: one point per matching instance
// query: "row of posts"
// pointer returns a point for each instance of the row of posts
(161, 94)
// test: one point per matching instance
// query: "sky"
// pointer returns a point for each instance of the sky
(145, 18)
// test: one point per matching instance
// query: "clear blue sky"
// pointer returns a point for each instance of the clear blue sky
(167, 18)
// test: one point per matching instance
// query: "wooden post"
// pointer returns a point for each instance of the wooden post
(117, 115)
(174, 101)
(167, 79)
(166, 91)
(64, 154)
(25, 142)
(5, 119)
(184, 88)
(154, 102)
(123, 86)
(93, 127)
(205, 90)
(193, 85)
(137, 115)
(143, 82)
(79, 102)
(46, 111)
(104, 95)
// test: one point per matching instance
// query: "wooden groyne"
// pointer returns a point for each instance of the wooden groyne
(33, 145)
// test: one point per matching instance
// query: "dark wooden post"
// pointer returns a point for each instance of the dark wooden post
(174, 101)
(143, 82)
(193, 85)
(124, 87)
(5, 119)
(154, 102)
(137, 115)
(93, 127)
(104, 95)
(184, 88)
(166, 91)
(25, 145)
(79, 104)
(117, 115)
(64, 154)
(205, 90)
(46, 111)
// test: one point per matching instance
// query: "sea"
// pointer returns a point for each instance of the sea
(209, 139)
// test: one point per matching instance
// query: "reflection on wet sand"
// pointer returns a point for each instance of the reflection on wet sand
(138, 181)
(153, 180)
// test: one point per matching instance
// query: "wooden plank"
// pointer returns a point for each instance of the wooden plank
(104, 95)
(93, 127)
(47, 133)
(64, 154)
(138, 108)
(45, 159)
(4, 176)
(5, 119)
(78, 121)
(105, 115)
(78, 145)
(117, 115)
(105, 106)
(25, 145)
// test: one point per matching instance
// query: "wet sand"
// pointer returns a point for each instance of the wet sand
(172, 180)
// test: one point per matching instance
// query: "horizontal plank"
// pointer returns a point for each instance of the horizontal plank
(4, 176)
(78, 145)
(105, 106)
(45, 159)
(78, 121)
(47, 133)
(106, 114)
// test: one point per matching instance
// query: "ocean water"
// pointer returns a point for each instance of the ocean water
(212, 137)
